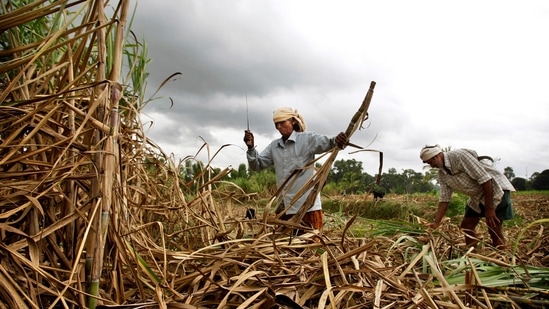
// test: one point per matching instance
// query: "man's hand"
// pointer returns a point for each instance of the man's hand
(489, 209)
(491, 218)
(439, 217)
(249, 139)
(341, 140)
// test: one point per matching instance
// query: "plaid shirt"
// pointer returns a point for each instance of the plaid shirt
(295, 153)
(465, 173)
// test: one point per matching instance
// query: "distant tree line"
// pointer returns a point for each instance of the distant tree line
(537, 181)
(348, 177)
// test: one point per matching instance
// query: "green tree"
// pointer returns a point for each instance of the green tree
(417, 182)
(242, 172)
(519, 183)
(343, 167)
(541, 182)
(348, 176)
(533, 176)
(431, 175)
(351, 183)
(263, 182)
(509, 173)
(392, 181)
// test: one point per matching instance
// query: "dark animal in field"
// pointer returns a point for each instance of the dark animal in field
(250, 213)
(378, 195)
(378, 192)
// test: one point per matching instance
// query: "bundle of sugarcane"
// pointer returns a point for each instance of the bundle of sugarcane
(316, 183)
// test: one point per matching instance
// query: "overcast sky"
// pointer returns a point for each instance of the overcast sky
(463, 74)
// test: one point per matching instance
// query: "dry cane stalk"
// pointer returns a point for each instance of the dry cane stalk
(96, 244)
(108, 112)
(319, 179)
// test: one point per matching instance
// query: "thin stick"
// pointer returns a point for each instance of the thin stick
(247, 114)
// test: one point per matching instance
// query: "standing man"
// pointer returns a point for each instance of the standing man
(292, 151)
(487, 188)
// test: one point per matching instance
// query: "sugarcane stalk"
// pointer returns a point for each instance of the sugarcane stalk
(110, 97)
(319, 179)
(96, 246)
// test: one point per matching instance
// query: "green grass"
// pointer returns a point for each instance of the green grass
(403, 208)
(530, 192)
(397, 208)
(367, 208)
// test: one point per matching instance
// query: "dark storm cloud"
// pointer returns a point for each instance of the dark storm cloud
(439, 80)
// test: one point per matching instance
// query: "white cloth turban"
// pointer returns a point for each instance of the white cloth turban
(428, 152)
(285, 113)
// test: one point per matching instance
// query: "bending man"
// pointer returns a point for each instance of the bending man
(487, 188)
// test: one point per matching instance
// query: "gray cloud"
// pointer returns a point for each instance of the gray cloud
(471, 75)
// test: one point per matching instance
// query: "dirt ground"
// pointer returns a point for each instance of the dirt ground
(531, 212)
(535, 240)
(531, 206)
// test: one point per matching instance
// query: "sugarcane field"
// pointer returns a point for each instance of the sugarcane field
(95, 214)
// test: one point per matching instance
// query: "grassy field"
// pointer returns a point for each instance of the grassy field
(409, 214)
(397, 214)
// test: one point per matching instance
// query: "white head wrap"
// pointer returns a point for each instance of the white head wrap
(428, 152)
(285, 113)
